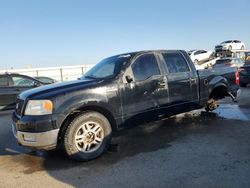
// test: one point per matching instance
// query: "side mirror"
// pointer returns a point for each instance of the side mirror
(129, 79)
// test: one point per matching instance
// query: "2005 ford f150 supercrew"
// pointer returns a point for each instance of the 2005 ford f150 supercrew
(81, 115)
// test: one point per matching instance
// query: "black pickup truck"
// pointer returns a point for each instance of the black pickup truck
(81, 115)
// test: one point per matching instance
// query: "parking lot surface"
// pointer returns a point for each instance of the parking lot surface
(190, 150)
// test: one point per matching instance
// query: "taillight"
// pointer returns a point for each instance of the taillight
(237, 77)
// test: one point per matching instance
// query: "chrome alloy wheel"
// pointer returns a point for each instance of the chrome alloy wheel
(89, 137)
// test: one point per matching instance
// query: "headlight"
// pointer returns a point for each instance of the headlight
(39, 107)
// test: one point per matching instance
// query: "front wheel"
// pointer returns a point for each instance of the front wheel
(87, 136)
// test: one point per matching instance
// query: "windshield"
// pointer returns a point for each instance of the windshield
(107, 68)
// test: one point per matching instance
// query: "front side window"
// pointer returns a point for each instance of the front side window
(22, 81)
(4, 81)
(175, 62)
(145, 66)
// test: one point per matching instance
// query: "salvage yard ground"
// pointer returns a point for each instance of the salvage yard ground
(190, 150)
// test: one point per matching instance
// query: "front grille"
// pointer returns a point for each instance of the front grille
(19, 106)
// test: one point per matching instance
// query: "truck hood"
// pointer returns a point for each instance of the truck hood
(57, 88)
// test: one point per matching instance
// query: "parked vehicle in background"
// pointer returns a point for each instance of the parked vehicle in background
(247, 56)
(229, 62)
(11, 85)
(243, 74)
(81, 115)
(45, 79)
(230, 45)
(200, 56)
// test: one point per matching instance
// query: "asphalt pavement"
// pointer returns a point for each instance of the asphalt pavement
(190, 150)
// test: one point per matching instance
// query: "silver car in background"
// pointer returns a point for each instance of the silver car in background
(229, 62)
(230, 45)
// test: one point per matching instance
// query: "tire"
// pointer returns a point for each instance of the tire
(242, 47)
(243, 85)
(87, 136)
(196, 62)
(211, 105)
(230, 48)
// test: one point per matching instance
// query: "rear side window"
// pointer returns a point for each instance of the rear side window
(175, 62)
(3, 81)
(145, 66)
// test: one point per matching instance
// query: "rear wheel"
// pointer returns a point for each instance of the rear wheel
(230, 48)
(87, 136)
(211, 105)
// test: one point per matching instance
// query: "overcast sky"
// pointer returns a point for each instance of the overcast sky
(58, 32)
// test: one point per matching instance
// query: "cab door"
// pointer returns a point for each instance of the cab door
(142, 85)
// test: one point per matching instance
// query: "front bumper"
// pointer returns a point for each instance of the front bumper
(37, 132)
(39, 140)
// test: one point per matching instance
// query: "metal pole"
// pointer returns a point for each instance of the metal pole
(61, 74)
(82, 71)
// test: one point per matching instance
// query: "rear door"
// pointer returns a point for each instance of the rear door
(237, 44)
(204, 55)
(5, 93)
(182, 82)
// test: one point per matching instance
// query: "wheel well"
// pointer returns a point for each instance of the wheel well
(218, 93)
(74, 113)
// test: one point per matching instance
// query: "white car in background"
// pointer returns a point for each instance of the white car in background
(230, 45)
(200, 56)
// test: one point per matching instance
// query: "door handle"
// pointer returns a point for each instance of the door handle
(162, 84)
(193, 80)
